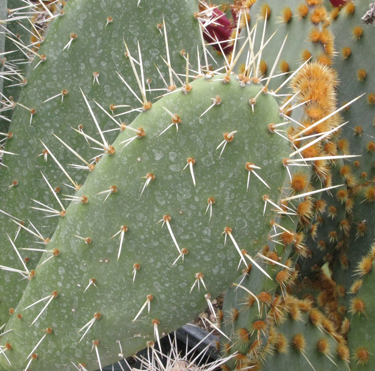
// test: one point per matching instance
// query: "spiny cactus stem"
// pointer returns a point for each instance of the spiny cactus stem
(290, 100)
(248, 291)
(149, 178)
(319, 135)
(32, 358)
(136, 268)
(5, 348)
(105, 143)
(17, 252)
(112, 189)
(76, 199)
(8, 153)
(95, 78)
(209, 304)
(201, 28)
(244, 252)
(215, 102)
(235, 60)
(228, 137)
(320, 158)
(228, 232)
(198, 279)
(184, 251)
(274, 261)
(41, 57)
(87, 240)
(31, 110)
(275, 63)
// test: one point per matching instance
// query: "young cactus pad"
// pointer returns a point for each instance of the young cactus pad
(156, 229)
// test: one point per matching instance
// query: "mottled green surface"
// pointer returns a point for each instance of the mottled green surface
(98, 48)
(21, 63)
(360, 336)
(257, 282)
(311, 357)
(361, 114)
(172, 192)
(327, 225)
(3, 15)
(297, 31)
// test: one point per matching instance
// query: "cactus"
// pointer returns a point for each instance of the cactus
(305, 339)
(191, 167)
(315, 77)
(353, 38)
(305, 23)
(177, 199)
(69, 66)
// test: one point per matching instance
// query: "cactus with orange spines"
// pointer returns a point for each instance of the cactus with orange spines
(93, 206)
(185, 255)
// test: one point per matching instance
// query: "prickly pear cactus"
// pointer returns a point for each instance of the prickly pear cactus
(362, 315)
(21, 35)
(353, 68)
(83, 51)
(286, 242)
(355, 32)
(304, 23)
(157, 229)
(303, 338)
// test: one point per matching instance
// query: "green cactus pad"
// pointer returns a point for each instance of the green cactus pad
(174, 199)
(70, 65)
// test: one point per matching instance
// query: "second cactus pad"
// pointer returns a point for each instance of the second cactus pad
(156, 230)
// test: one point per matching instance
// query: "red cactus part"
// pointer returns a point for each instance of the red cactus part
(219, 30)
(337, 3)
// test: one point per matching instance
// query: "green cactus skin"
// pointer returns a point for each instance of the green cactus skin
(327, 229)
(235, 302)
(242, 313)
(359, 136)
(99, 47)
(351, 66)
(21, 30)
(299, 341)
(362, 315)
(309, 39)
(287, 20)
(172, 193)
(3, 15)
